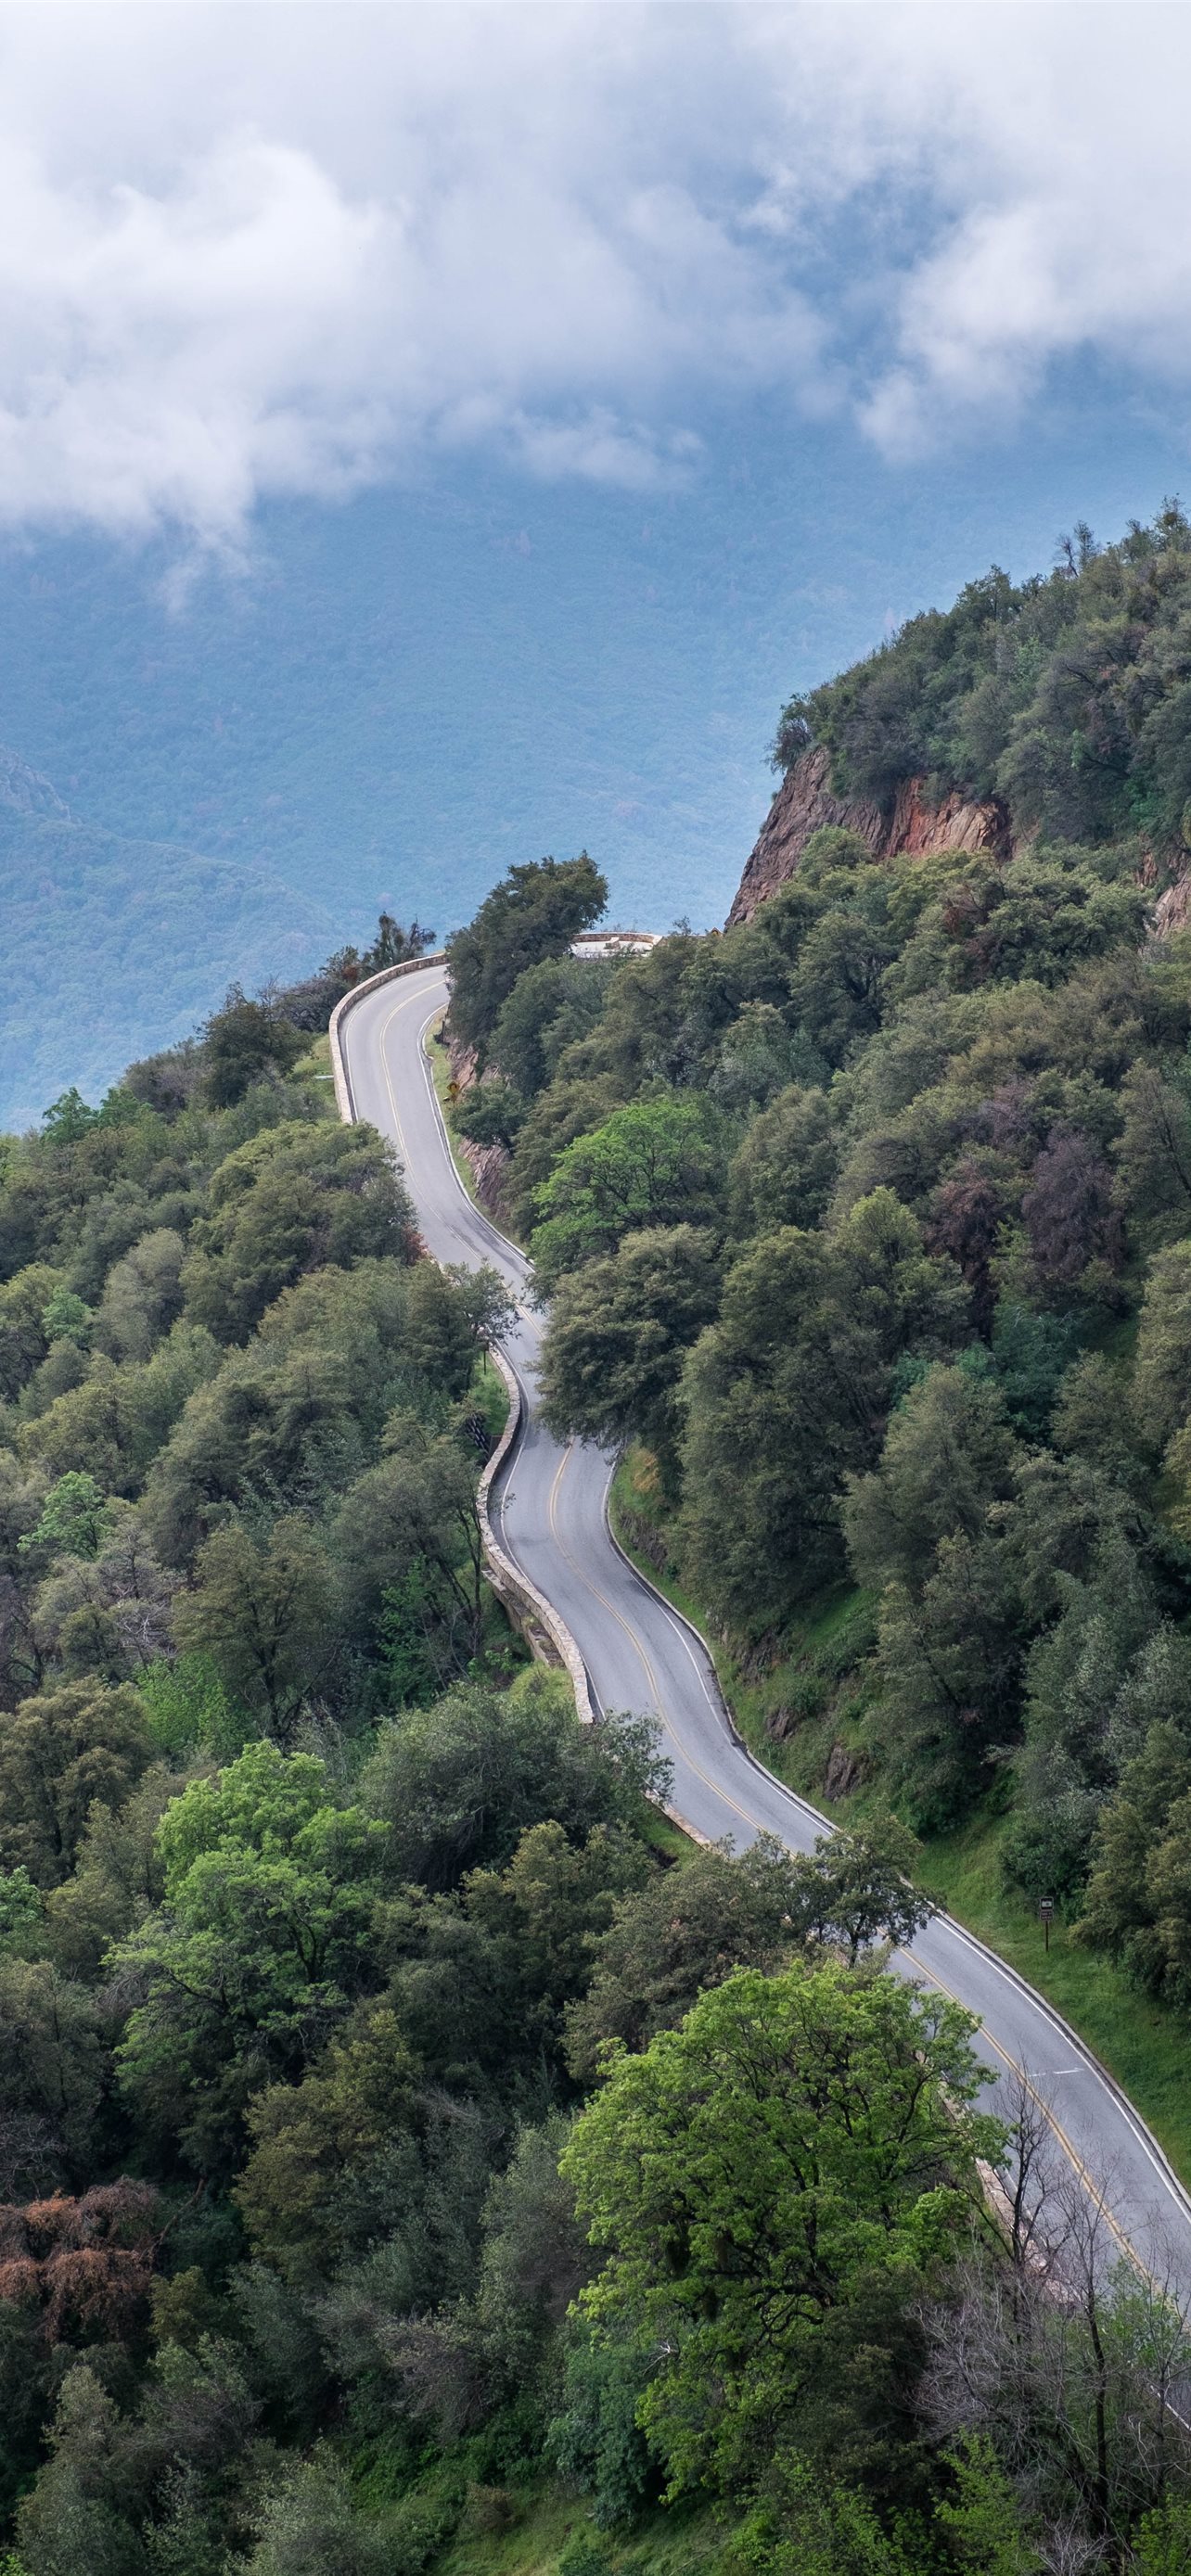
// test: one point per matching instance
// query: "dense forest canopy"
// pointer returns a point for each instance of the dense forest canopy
(1068, 696)
(321, 1915)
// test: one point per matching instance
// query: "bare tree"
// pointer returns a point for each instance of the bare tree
(1072, 2358)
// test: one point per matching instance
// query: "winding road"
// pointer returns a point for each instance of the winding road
(550, 1513)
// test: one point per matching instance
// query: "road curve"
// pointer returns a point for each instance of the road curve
(550, 1512)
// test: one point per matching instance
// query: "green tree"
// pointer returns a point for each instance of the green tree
(550, 1007)
(1154, 1151)
(655, 1163)
(54, 2073)
(1162, 1373)
(837, 986)
(68, 1118)
(538, 1921)
(60, 1752)
(291, 1199)
(1080, 1725)
(618, 1334)
(1138, 1906)
(951, 1657)
(409, 1546)
(73, 2517)
(307, 2136)
(684, 1931)
(142, 1295)
(1163, 2545)
(75, 1517)
(66, 1318)
(263, 1610)
(23, 1340)
(490, 1113)
(859, 1887)
(22, 1912)
(263, 1937)
(458, 1784)
(981, 2519)
(394, 945)
(110, 1425)
(746, 2174)
(117, 1878)
(784, 1171)
(787, 1392)
(947, 1459)
(810, 2525)
(309, 2526)
(534, 913)
(243, 1041)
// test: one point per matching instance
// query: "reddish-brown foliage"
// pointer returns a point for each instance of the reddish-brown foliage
(1069, 1211)
(967, 1218)
(86, 2263)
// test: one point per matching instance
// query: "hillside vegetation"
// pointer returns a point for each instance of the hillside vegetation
(112, 942)
(408, 2160)
(1068, 696)
(341, 1975)
(871, 1220)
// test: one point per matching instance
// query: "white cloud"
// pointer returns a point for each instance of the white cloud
(258, 250)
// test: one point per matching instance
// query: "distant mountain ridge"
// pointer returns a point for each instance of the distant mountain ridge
(111, 947)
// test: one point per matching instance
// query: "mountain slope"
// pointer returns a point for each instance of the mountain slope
(1055, 711)
(110, 946)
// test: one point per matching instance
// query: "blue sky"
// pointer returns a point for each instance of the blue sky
(471, 424)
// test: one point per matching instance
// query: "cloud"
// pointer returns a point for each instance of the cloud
(253, 251)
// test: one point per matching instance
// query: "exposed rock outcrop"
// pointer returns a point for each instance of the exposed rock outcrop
(806, 802)
(844, 1772)
(488, 1165)
(1172, 910)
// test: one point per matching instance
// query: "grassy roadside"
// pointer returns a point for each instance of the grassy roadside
(313, 1071)
(1142, 2046)
(663, 2544)
(440, 1068)
(490, 1397)
(802, 1688)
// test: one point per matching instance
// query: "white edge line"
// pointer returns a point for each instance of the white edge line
(1090, 2063)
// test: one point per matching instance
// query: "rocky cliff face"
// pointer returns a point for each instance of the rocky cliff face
(805, 803)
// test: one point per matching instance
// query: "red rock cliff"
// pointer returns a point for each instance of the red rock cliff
(804, 803)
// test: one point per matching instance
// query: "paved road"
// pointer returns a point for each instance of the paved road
(551, 1515)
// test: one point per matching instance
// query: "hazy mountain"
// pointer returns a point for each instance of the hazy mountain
(110, 947)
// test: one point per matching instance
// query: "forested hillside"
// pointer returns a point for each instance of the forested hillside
(340, 1967)
(1067, 696)
(110, 942)
(414, 2156)
(871, 1221)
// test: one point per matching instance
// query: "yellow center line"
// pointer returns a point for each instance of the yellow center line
(406, 1004)
(584, 1577)
(1067, 2144)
